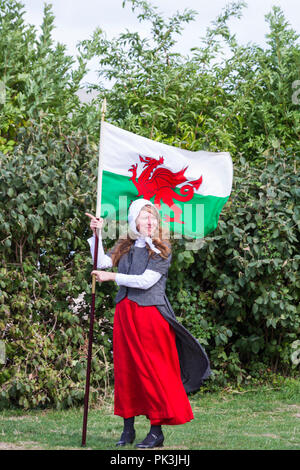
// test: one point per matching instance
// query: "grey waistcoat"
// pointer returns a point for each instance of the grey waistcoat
(194, 363)
(136, 262)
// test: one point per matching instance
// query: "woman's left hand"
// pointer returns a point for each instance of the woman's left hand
(103, 276)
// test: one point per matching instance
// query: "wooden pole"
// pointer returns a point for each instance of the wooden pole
(92, 314)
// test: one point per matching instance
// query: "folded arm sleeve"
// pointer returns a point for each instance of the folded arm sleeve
(104, 261)
(141, 281)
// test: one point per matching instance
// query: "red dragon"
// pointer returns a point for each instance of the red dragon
(160, 182)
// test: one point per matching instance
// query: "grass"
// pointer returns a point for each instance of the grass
(266, 418)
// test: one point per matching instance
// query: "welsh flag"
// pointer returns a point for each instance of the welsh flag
(189, 188)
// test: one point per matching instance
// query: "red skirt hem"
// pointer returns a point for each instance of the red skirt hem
(155, 421)
(146, 366)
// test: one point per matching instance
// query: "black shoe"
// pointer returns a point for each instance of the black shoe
(151, 440)
(127, 437)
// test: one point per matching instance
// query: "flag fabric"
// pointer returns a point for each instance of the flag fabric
(189, 188)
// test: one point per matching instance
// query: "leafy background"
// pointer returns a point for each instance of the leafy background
(238, 290)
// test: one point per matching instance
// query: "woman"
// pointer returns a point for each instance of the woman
(156, 360)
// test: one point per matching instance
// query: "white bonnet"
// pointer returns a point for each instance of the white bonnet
(134, 210)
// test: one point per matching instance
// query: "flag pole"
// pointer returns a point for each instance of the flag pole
(92, 314)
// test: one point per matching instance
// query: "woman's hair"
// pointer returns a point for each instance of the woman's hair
(160, 240)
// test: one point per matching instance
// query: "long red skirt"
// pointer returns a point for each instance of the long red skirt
(146, 366)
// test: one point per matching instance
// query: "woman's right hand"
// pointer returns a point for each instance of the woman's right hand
(95, 223)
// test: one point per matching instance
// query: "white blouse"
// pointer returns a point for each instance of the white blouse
(141, 281)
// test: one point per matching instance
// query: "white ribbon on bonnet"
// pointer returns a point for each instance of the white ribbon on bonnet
(134, 210)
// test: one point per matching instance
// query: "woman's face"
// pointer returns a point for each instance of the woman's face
(146, 223)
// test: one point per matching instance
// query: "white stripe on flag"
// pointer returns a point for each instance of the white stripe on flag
(121, 150)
